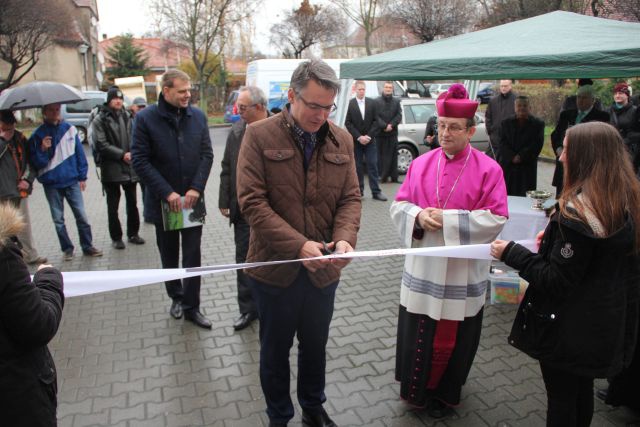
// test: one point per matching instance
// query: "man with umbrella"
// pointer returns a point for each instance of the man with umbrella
(56, 152)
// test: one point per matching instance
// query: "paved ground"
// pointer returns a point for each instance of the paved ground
(123, 361)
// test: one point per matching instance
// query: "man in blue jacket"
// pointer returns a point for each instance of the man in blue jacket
(56, 152)
(172, 155)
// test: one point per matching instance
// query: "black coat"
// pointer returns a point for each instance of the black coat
(388, 111)
(525, 141)
(228, 196)
(565, 121)
(499, 108)
(112, 139)
(591, 285)
(356, 125)
(29, 319)
(171, 152)
(627, 121)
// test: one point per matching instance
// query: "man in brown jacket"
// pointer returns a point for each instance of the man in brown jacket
(298, 190)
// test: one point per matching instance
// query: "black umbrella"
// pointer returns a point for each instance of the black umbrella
(38, 94)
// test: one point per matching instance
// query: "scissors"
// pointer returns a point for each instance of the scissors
(325, 249)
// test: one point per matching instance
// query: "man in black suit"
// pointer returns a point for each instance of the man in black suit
(361, 124)
(586, 112)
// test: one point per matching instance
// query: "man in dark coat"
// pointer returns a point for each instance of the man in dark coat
(570, 101)
(111, 134)
(361, 124)
(586, 112)
(388, 117)
(499, 108)
(30, 315)
(172, 155)
(521, 140)
(252, 105)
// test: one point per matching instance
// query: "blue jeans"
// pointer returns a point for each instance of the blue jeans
(55, 197)
(370, 154)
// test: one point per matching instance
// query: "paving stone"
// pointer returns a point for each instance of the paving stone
(123, 361)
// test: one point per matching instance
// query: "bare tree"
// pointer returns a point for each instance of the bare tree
(429, 19)
(629, 8)
(202, 25)
(502, 11)
(365, 14)
(305, 27)
(25, 31)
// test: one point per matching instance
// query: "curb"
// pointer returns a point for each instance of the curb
(223, 125)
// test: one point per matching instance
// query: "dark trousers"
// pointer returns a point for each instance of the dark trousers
(387, 157)
(186, 290)
(112, 190)
(369, 153)
(300, 309)
(569, 398)
(241, 231)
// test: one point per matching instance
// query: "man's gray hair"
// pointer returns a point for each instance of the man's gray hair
(256, 94)
(169, 77)
(316, 70)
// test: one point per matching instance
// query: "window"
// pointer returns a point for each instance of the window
(418, 113)
(85, 106)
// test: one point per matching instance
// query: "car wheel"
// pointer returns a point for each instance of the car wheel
(82, 134)
(406, 154)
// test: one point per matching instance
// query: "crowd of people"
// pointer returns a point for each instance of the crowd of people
(291, 185)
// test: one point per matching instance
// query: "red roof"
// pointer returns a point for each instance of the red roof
(162, 53)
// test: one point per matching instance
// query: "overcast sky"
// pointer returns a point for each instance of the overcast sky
(131, 16)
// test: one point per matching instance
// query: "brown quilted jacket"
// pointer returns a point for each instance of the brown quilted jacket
(285, 206)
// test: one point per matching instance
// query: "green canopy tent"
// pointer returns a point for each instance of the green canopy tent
(551, 46)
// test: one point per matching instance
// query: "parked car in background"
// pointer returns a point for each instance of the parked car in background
(415, 113)
(78, 113)
(485, 92)
(231, 114)
(437, 88)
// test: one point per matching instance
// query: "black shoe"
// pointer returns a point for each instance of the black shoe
(67, 255)
(39, 260)
(274, 424)
(195, 317)
(118, 244)
(93, 252)
(602, 393)
(136, 240)
(176, 310)
(244, 320)
(321, 419)
(438, 409)
(380, 196)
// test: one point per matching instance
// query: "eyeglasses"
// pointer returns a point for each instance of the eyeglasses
(452, 128)
(243, 108)
(315, 107)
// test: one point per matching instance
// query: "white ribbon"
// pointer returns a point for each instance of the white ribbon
(78, 283)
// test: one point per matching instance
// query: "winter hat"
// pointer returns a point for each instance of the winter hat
(622, 87)
(140, 101)
(6, 116)
(114, 92)
(455, 103)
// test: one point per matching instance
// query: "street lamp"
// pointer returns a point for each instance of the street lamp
(83, 48)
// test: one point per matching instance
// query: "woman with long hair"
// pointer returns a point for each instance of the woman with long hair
(579, 316)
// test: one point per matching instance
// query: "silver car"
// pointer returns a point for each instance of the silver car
(415, 113)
